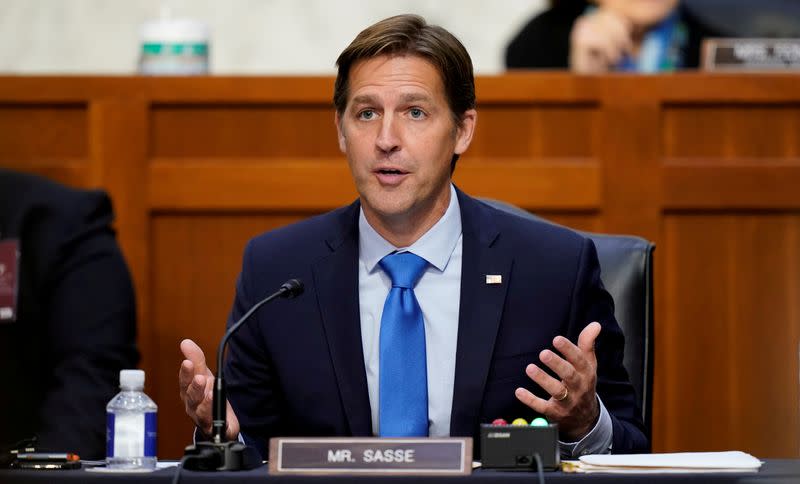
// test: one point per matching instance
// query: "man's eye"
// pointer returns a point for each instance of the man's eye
(416, 113)
(366, 114)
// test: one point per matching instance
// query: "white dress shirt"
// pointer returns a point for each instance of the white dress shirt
(438, 293)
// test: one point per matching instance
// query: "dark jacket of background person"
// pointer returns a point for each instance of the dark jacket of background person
(544, 42)
(76, 319)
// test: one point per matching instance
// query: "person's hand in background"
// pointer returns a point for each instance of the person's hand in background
(599, 40)
(601, 37)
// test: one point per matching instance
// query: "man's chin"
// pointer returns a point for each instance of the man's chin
(389, 209)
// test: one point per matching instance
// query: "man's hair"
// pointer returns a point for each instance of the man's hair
(411, 35)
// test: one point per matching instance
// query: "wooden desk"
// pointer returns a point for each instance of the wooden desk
(707, 166)
(772, 472)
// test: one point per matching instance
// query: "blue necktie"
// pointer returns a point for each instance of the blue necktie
(403, 384)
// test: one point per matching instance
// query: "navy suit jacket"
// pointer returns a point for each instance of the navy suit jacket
(297, 368)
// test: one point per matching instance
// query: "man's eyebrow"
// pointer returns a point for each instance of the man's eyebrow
(413, 97)
(363, 99)
(407, 98)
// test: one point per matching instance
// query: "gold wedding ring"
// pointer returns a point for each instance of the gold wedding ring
(563, 396)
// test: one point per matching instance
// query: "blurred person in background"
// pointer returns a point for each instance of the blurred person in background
(610, 35)
(74, 323)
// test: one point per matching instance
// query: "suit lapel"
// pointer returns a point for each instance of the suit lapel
(336, 281)
(480, 312)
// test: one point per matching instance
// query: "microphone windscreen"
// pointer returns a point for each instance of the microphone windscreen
(292, 288)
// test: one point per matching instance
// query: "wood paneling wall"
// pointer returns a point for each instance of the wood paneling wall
(706, 166)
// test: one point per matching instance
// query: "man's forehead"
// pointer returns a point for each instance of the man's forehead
(412, 77)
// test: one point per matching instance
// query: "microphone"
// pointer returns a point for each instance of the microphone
(219, 454)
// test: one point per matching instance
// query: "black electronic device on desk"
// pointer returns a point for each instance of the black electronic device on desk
(520, 447)
(25, 455)
(47, 461)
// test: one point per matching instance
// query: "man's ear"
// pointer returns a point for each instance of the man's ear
(465, 131)
(340, 132)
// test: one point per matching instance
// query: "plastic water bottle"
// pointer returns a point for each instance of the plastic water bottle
(131, 425)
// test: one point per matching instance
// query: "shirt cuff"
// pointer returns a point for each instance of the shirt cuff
(597, 441)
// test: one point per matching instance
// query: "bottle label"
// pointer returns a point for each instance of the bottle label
(150, 425)
(131, 435)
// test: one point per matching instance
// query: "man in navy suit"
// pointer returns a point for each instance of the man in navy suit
(515, 319)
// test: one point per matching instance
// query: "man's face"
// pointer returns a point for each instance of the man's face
(399, 137)
(642, 13)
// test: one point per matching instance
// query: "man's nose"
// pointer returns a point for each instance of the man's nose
(388, 139)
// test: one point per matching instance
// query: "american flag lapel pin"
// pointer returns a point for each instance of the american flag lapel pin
(494, 279)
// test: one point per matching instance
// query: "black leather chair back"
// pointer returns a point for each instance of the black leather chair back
(626, 264)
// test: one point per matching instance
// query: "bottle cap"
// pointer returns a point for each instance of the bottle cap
(174, 31)
(131, 379)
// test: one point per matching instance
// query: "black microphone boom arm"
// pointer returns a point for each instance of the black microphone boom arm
(289, 289)
(220, 454)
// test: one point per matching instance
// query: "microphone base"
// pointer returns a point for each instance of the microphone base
(227, 456)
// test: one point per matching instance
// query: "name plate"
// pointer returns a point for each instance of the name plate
(751, 54)
(376, 456)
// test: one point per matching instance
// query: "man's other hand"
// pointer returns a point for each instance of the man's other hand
(573, 400)
(196, 383)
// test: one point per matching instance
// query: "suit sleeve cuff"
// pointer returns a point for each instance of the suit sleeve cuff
(597, 441)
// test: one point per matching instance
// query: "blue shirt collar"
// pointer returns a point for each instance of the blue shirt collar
(435, 246)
